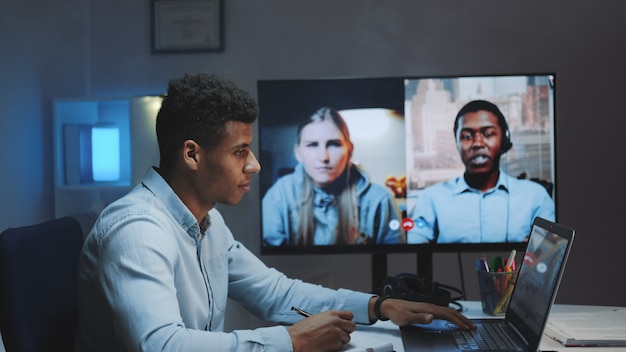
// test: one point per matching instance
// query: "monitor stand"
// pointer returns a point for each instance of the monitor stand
(379, 268)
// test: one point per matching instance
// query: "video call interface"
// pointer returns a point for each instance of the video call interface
(402, 132)
(533, 293)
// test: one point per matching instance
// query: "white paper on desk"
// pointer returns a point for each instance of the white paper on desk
(360, 342)
(599, 326)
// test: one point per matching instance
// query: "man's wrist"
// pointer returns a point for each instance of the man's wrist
(377, 305)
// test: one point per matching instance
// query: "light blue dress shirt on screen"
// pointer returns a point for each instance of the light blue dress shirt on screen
(453, 212)
(149, 280)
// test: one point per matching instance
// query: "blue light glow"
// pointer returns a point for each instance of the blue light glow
(105, 153)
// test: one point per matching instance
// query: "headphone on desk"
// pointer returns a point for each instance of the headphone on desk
(411, 287)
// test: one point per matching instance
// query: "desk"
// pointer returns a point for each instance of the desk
(387, 331)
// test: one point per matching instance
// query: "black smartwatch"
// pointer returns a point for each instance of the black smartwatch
(379, 301)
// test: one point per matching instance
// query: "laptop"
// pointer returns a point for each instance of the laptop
(529, 306)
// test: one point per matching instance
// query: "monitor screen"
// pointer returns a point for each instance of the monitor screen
(405, 164)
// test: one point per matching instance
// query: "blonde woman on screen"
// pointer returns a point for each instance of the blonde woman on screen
(327, 200)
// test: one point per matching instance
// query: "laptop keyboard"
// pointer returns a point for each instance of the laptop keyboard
(487, 337)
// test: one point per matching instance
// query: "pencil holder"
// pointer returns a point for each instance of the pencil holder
(495, 290)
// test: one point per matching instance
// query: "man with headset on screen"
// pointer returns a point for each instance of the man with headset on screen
(159, 264)
(484, 204)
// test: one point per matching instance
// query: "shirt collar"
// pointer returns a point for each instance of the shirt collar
(156, 184)
(321, 198)
(461, 186)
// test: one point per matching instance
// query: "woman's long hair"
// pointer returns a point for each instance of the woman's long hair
(343, 188)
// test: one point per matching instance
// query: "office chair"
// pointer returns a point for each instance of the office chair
(38, 286)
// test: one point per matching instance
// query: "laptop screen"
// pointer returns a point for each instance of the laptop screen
(538, 278)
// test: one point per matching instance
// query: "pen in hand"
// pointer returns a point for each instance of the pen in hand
(301, 312)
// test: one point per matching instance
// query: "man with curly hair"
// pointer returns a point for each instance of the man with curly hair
(159, 264)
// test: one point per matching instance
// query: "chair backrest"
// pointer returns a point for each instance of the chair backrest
(38, 286)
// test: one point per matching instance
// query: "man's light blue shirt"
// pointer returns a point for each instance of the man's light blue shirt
(452, 211)
(150, 280)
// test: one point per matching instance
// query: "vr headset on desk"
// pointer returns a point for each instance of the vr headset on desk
(411, 287)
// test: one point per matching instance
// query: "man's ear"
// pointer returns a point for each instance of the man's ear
(191, 154)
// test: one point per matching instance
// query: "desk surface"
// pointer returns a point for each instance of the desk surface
(387, 331)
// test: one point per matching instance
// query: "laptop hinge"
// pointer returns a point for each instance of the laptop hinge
(519, 335)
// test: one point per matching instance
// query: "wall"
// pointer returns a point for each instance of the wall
(77, 48)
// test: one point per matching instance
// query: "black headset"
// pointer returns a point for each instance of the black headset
(411, 287)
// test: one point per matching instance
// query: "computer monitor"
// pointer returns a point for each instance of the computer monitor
(403, 138)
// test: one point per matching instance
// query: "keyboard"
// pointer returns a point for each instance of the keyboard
(487, 337)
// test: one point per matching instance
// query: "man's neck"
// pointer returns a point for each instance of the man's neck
(183, 187)
(482, 181)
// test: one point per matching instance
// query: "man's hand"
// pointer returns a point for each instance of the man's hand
(326, 331)
(402, 312)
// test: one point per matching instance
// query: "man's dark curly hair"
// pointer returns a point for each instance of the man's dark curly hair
(197, 107)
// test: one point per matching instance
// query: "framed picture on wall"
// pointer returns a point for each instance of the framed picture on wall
(187, 25)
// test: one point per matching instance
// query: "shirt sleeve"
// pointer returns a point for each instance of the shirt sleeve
(424, 218)
(275, 217)
(270, 294)
(383, 211)
(274, 338)
(547, 208)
